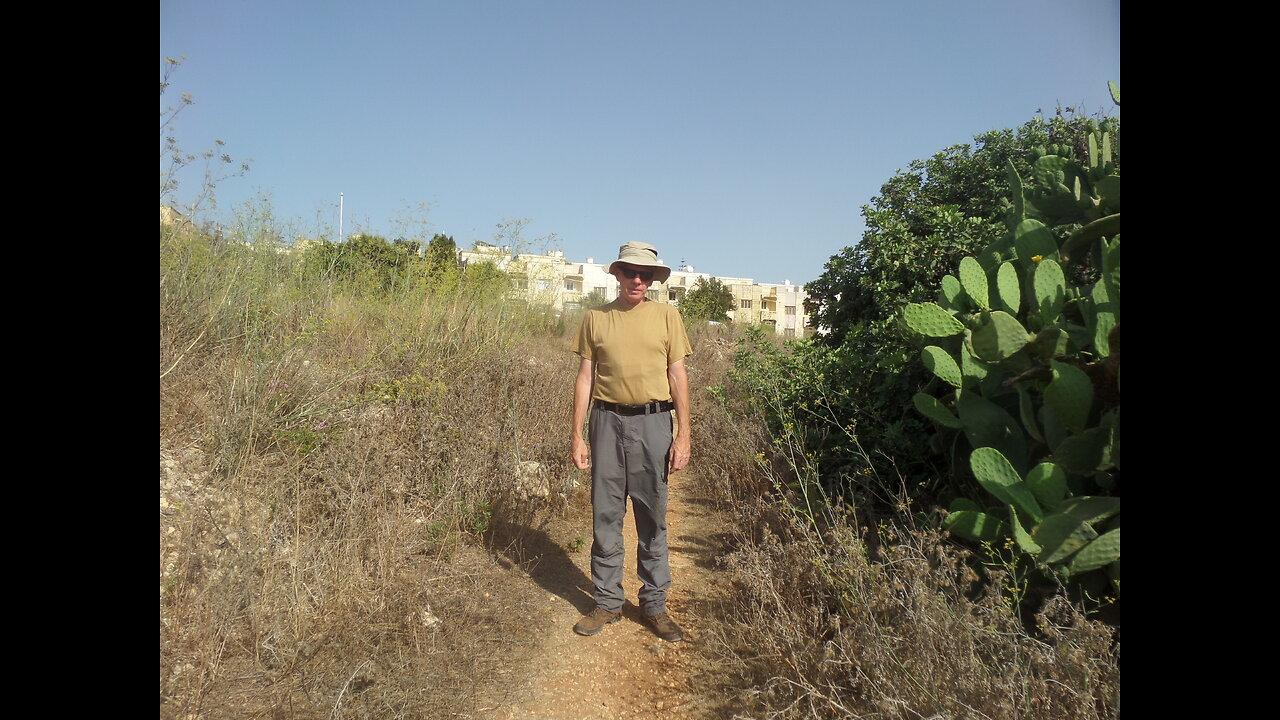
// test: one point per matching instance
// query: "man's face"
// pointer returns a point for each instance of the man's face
(635, 281)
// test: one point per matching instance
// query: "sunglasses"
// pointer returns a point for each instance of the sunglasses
(631, 273)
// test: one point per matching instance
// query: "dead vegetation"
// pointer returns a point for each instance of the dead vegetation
(827, 619)
(329, 466)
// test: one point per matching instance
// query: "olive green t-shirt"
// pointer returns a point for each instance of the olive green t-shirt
(632, 350)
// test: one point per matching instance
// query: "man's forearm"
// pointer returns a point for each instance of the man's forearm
(681, 447)
(581, 402)
(679, 381)
(582, 388)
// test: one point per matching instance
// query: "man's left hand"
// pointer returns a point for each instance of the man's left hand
(678, 455)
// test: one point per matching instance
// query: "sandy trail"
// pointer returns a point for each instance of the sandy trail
(625, 671)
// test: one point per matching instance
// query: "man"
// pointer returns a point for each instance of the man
(632, 375)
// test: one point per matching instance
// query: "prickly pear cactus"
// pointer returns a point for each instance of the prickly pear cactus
(1028, 376)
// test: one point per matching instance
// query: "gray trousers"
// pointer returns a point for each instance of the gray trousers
(629, 458)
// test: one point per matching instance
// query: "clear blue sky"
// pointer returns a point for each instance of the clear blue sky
(740, 136)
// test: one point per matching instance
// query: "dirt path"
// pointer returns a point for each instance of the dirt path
(624, 671)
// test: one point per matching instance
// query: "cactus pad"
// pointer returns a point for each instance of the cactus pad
(1091, 509)
(1021, 536)
(1000, 336)
(1070, 395)
(1032, 238)
(974, 281)
(1080, 239)
(1008, 288)
(1111, 271)
(1048, 483)
(1060, 535)
(941, 363)
(977, 526)
(932, 408)
(953, 294)
(930, 320)
(997, 476)
(1050, 287)
(1103, 324)
(1017, 209)
(1101, 552)
(1027, 413)
(1082, 454)
(989, 425)
(972, 369)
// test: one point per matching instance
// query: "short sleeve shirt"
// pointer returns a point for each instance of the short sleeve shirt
(632, 350)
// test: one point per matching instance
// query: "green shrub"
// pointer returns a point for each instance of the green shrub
(708, 299)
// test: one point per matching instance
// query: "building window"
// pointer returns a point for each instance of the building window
(570, 285)
(791, 309)
(746, 304)
(672, 296)
(544, 284)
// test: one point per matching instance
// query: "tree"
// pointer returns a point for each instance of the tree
(708, 299)
(485, 280)
(858, 369)
(595, 298)
(442, 259)
(367, 262)
(924, 220)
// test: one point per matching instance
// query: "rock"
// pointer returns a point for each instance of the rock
(532, 480)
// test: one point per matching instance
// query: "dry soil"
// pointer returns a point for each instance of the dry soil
(625, 671)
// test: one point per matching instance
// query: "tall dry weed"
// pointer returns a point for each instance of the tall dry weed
(327, 458)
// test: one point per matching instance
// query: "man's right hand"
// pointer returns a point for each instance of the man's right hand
(582, 387)
(581, 454)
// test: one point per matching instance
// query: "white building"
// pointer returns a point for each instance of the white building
(551, 280)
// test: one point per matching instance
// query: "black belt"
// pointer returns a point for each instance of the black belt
(646, 409)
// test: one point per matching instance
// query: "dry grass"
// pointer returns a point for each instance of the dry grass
(826, 630)
(827, 619)
(329, 465)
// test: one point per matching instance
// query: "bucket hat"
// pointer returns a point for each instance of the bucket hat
(644, 255)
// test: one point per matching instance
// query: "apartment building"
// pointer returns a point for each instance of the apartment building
(779, 306)
(552, 280)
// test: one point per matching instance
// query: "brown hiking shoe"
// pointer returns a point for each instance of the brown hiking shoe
(594, 621)
(665, 628)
